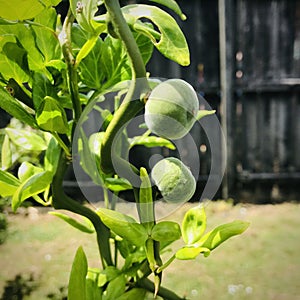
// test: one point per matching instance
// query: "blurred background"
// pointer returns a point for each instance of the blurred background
(245, 61)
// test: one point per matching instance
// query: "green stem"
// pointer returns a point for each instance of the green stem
(166, 264)
(62, 144)
(65, 41)
(123, 31)
(139, 86)
(61, 201)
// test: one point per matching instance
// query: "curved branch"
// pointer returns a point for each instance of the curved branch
(61, 201)
(139, 87)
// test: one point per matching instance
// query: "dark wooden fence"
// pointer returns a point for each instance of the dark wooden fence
(245, 58)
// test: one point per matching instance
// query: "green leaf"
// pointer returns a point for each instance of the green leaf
(203, 113)
(124, 226)
(84, 12)
(26, 139)
(115, 288)
(16, 54)
(166, 231)
(52, 156)
(20, 10)
(117, 184)
(86, 48)
(10, 69)
(220, 234)
(108, 274)
(93, 291)
(30, 187)
(41, 88)
(6, 154)
(107, 62)
(91, 72)
(25, 40)
(186, 253)
(151, 141)
(51, 117)
(73, 222)
(172, 42)
(56, 64)
(15, 109)
(114, 60)
(8, 184)
(133, 294)
(193, 225)
(77, 281)
(27, 170)
(46, 40)
(172, 4)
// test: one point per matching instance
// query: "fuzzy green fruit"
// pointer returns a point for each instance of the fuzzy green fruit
(174, 180)
(171, 109)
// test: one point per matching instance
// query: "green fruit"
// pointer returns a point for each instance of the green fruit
(174, 180)
(171, 109)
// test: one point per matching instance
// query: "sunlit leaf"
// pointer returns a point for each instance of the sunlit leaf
(172, 4)
(6, 154)
(15, 109)
(114, 59)
(26, 139)
(151, 141)
(107, 62)
(193, 225)
(84, 12)
(52, 156)
(8, 184)
(51, 116)
(30, 187)
(133, 294)
(220, 234)
(91, 72)
(93, 291)
(10, 69)
(203, 113)
(22, 10)
(108, 274)
(73, 222)
(46, 40)
(25, 37)
(16, 54)
(27, 170)
(115, 288)
(124, 226)
(117, 184)
(41, 88)
(172, 42)
(166, 231)
(86, 48)
(186, 253)
(77, 281)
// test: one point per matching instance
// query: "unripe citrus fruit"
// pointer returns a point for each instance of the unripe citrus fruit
(174, 180)
(171, 109)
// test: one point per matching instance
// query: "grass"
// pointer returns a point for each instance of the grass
(263, 263)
